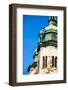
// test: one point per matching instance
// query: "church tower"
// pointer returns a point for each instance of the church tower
(47, 53)
(45, 56)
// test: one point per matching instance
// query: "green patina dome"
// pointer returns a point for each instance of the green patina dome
(35, 56)
(48, 35)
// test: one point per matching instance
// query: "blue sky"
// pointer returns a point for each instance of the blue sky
(32, 25)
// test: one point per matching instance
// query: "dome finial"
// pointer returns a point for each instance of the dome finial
(52, 20)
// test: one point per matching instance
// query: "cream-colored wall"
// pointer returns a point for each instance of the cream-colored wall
(46, 51)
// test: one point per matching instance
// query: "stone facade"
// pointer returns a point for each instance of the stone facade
(46, 55)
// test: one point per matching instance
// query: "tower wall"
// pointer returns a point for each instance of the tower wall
(48, 52)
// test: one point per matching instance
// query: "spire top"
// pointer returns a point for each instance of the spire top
(53, 20)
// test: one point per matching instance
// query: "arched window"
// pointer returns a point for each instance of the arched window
(44, 61)
(54, 61)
